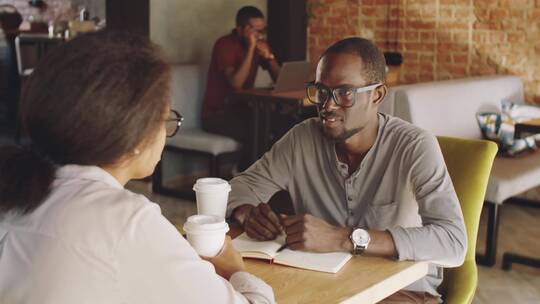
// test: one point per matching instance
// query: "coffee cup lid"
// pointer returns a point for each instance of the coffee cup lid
(208, 184)
(201, 223)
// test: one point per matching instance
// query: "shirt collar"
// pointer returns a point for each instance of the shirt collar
(371, 152)
(93, 173)
(339, 165)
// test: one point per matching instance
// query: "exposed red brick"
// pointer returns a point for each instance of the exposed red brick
(437, 40)
(368, 10)
(411, 36)
(413, 2)
(496, 37)
(534, 15)
(419, 24)
(410, 57)
(482, 14)
(515, 38)
(427, 36)
(426, 77)
(498, 13)
(462, 13)
(446, 12)
(480, 37)
(460, 37)
(427, 58)
(485, 3)
(518, 13)
(460, 58)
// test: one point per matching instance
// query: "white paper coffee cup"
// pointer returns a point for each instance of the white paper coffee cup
(206, 233)
(212, 194)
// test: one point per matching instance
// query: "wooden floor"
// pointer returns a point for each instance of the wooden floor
(519, 232)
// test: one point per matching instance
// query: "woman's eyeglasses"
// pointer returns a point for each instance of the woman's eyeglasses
(173, 123)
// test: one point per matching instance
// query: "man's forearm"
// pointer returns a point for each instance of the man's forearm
(274, 69)
(241, 74)
(381, 244)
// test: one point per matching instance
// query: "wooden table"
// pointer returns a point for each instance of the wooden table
(522, 130)
(361, 280)
(261, 100)
(527, 128)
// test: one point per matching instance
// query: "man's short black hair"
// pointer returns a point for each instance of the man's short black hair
(246, 13)
(372, 57)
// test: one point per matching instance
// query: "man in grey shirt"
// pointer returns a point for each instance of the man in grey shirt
(360, 181)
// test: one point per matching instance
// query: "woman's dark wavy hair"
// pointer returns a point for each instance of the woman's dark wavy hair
(90, 101)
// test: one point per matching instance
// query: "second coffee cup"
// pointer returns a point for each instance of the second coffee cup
(212, 194)
(206, 233)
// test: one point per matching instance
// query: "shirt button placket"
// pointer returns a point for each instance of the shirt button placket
(348, 191)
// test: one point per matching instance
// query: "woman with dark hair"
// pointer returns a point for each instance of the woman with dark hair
(97, 110)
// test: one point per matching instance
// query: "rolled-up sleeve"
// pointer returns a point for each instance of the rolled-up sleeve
(442, 238)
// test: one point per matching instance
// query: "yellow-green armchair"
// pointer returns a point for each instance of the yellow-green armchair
(469, 164)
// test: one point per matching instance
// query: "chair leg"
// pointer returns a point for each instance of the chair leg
(509, 258)
(159, 188)
(490, 256)
(214, 168)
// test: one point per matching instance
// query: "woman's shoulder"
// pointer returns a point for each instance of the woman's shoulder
(90, 212)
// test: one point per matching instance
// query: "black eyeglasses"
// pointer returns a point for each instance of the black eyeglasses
(344, 96)
(173, 123)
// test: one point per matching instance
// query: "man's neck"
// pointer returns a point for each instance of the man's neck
(354, 148)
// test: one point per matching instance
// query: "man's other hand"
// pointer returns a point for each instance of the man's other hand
(309, 233)
(252, 40)
(263, 49)
(260, 223)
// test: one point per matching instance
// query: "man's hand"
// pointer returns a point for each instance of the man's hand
(252, 40)
(308, 233)
(263, 49)
(260, 223)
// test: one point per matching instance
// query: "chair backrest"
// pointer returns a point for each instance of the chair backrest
(469, 163)
(449, 107)
(30, 48)
(187, 93)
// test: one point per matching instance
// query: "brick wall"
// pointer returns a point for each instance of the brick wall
(440, 39)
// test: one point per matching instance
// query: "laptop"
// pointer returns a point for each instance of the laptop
(293, 76)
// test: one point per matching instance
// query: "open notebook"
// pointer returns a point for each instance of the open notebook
(324, 262)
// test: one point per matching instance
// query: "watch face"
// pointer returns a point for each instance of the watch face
(360, 237)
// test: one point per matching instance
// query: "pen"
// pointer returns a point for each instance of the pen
(282, 247)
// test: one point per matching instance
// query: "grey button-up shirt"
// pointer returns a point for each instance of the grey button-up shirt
(402, 185)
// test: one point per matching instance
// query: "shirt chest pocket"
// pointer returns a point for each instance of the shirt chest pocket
(382, 215)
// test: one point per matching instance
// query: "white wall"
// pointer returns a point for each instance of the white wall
(187, 29)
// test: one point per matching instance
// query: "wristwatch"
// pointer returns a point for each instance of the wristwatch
(360, 239)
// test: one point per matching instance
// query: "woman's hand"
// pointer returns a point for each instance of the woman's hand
(228, 261)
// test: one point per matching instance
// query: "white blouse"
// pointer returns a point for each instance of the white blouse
(92, 241)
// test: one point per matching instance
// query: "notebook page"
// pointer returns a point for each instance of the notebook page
(247, 246)
(325, 262)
